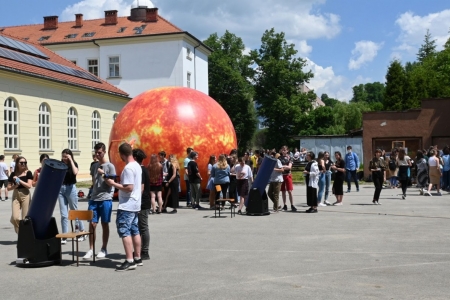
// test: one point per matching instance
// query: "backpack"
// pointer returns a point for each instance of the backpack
(392, 165)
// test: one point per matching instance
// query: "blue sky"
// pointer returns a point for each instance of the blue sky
(346, 42)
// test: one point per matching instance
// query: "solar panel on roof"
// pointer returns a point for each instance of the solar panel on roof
(23, 47)
(32, 60)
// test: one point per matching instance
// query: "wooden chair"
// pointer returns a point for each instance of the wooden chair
(218, 202)
(82, 215)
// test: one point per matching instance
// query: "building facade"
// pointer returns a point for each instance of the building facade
(134, 53)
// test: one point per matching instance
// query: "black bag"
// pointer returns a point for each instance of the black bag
(392, 165)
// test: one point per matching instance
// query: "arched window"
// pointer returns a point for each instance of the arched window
(115, 117)
(44, 127)
(95, 128)
(72, 129)
(11, 124)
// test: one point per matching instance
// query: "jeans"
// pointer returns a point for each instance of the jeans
(378, 179)
(188, 192)
(127, 223)
(196, 193)
(143, 229)
(327, 184)
(351, 174)
(322, 182)
(68, 198)
(393, 181)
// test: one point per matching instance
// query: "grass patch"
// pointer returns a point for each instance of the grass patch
(297, 177)
(84, 184)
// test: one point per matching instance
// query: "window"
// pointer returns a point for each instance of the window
(89, 34)
(93, 66)
(114, 66)
(95, 128)
(26, 39)
(138, 30)
(11, 124)
(121, 29)
(115, 117)
(44, 127)
(74, 62)
(44, 38)
(188, 53)
(188, 83)
(72, 129)
(71, 36)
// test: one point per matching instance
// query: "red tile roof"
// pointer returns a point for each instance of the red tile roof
(102, 31)
(36, 71)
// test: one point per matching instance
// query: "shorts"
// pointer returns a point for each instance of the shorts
(127, 223)
(287, 185)
(3, 183)
(155, 188)
(102, 210)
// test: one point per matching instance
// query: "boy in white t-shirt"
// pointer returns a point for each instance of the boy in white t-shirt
(3, 177)
(129, 207)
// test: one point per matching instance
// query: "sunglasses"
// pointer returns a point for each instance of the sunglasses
(23, 163)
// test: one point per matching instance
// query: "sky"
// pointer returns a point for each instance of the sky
(345, 42)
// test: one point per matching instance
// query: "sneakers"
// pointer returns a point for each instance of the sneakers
(1, 199)
(438, 194)
(239, 212)
(322, 204)
(311, 210)
(348, 191)
(403, 196)
(421, 192)
(337, 203)
(427, 193)
(82, 238)
(88, 255)
(293, 208)
(138, 262)
(285, 207)
(63, 241)
(357, 189)
(145, 256)
(126, 266)
(378, 203)
(326, 202)
(188, 205)
(102, 253)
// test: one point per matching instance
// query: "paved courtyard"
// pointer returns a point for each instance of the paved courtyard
(399, 250)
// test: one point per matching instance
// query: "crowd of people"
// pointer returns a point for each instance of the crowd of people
(153, 188)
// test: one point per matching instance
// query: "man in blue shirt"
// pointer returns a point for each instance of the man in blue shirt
(351, 167)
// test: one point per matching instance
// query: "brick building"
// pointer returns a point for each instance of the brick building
(413, 129)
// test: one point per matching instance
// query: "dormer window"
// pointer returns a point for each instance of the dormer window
(71, 36)
(26, 39)
(121, 29)
(89, 34)
(44, 38)
(138, 30)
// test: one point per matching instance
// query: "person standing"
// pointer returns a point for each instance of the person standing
(446, 168)
(221, 174)
(243, 175)
(37, 172)
(435, 173)
(155, 171)
(312, 182)
(194, 180)
(129, 208)
(186, 177)
(422, 172)
(339, 168)
(232, 190)
(287, 185)
(377, 166)
(276, 178)
(144, 231)
(4, 172)
(352, 167)
(393, 168)
(12, 165)
(165, 166)
(321, 178)
(68, 197)
(404, 165)
(328, 165)
(210, 185)
(20, 182)
(101, 200)
(172, 185)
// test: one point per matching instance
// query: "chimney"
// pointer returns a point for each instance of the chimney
(50, 22)
(78, 20)
(110, 17)
(151, 15)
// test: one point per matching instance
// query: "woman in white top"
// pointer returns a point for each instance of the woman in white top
(435, 173)
(243, 174)
(312, 180)
(403, 164)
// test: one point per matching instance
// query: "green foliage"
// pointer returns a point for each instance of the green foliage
(395, 79)
(279, 76)
(427, 49)
(228, 70)
(369, 92)
(331, 102)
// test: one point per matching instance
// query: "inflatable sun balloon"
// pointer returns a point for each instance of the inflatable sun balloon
(172, 119)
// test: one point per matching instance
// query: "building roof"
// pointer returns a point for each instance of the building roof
(36, 32)
(32, 59)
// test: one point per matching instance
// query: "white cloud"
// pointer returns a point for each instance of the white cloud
(414, 27)
(364, 52)
(94, 9)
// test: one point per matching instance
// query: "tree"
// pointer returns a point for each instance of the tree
(278, 78)
(395, 79)
(331, 102)
(428, 48)
(369, 92)
(228, 71)
(359, 93)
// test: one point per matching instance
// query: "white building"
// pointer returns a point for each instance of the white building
(135, 53)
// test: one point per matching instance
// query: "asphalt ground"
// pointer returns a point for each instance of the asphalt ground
(397, 250)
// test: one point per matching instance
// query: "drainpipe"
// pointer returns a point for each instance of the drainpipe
(195, 71)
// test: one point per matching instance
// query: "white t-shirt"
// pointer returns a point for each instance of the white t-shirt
(243, 172)
(131, 174)
(3, 169)
(12, 165)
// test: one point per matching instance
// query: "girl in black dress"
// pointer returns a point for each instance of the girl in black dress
(339, 168)
(312, 182)
(173, 184)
